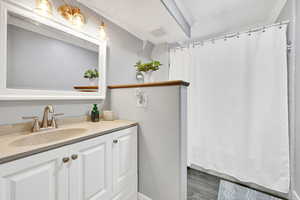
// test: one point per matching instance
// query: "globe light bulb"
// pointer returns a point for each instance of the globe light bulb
(78, 19)
(102, 33)
(44, 7)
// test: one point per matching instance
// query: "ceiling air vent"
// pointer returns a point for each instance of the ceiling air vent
(158, 32)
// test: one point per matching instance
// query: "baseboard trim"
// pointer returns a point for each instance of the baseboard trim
(295, 196)
(144, 197)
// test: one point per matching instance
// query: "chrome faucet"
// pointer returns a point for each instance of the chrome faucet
(47, 122)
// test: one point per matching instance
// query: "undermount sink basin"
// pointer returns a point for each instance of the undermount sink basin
(48, 136)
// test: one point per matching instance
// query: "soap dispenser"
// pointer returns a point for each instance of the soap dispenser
(95, 116)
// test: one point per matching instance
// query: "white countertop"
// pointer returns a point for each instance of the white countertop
(9, 152)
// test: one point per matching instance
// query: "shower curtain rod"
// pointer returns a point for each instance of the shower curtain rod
(231, 35)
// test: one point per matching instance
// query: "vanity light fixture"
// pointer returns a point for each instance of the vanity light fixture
(72, 14)
(66, 11)
(102, 32)
(44, 7)
(78, 18)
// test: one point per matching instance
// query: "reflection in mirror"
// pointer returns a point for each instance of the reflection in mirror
(43, 58)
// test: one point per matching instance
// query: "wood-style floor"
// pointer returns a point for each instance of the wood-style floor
(202, 186)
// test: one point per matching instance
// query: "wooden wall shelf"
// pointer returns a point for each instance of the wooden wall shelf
(154, 84)
(86, 88)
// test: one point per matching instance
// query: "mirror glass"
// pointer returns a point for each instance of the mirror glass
(43, 58)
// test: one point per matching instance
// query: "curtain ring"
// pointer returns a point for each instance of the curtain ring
(264, 29)
(238, 35)
(249, 32)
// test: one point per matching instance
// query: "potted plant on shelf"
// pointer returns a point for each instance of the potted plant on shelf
(92, 75)
(147, 69)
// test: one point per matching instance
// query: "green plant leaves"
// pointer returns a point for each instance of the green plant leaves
(90, 74)
(145, 67)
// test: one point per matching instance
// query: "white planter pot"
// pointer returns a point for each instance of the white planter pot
(93, 82)
(148, 76)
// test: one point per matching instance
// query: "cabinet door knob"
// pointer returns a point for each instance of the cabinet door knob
(66, 159)
(115, 141)
(74, 157)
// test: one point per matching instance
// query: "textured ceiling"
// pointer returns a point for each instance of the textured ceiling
(150, 20)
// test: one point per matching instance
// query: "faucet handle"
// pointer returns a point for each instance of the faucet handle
(58, 114)
(36, 124)
(53, 120)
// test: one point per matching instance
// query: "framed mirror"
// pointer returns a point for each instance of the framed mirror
(43, 59)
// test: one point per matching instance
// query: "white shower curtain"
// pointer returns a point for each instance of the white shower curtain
(238, 106)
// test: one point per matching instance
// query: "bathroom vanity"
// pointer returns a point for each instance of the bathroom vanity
(43, 58)
(78, 161)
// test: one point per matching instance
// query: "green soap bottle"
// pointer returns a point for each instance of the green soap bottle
(95, 116)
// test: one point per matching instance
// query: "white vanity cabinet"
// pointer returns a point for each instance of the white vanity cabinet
(91, 169)
(124, 166)
(42, 176)
(102, 168)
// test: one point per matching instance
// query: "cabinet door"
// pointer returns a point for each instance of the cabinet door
(90, 169)
(125, 163)
(42, 176)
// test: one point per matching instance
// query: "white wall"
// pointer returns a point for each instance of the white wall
(161, 53)
(123, 53)
(124, 50)
(12, 112)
